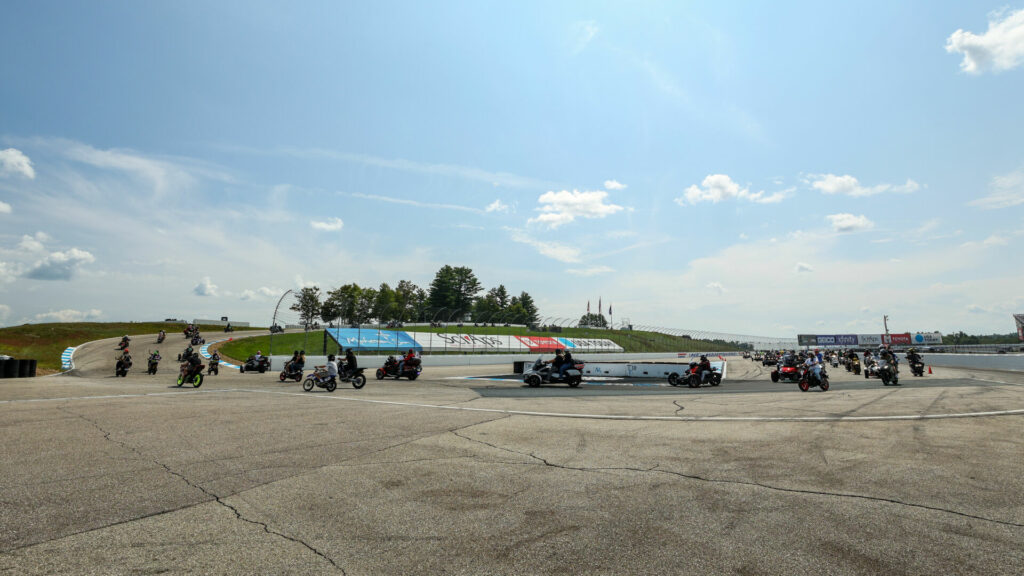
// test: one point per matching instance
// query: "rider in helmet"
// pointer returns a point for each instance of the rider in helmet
(408, 356)
(704, 368)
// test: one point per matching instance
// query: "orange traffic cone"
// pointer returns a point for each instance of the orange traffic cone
(929, 369)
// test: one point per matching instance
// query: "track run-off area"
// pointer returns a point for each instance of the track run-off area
(468, 471)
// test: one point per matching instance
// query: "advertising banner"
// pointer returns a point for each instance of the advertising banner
(846, 339)
(826, 340)
(806, 339)
(373, 339)
(927, 338)
(541, 343)
(869, 339)
(897, 339)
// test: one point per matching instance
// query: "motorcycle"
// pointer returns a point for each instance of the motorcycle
(809, 379)
(123, 343)
(253, 365)
(541, 372)
(151, 364)
(229, 328)
(853, 365)
(197, 340)
(787, 372)
(887, 374)
(411, 369)
(121, 369)
(835, 361)
(214, 367)
(320, 379)
(191, 375)
(692, 377)
(917, 368)
(160, 338)
(295, 373)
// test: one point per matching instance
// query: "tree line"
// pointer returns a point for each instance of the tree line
(453, 296)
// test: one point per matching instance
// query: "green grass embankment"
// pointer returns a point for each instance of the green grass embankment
(633, 341)
(46, 342)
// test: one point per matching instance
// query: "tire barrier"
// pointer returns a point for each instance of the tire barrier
(14, 368)
(27, 369)
(8, 368)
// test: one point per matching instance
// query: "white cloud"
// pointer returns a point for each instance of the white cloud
(8, 272)
(614, 185)
(583, 32)
(13, 161)
(562, 207)
(205, 288)
(999, 49)
(975, 309)
(716, 287)
(803, 267)
(850, 186)
(996, 241)
(497, 206)
(69, 315)
(552, 250)
(718, 187)
(331, 225)
(260, 293)
(5, 313)
(591, 271)
(849, 223)
(34, 243)
(60, 265)
(5, 208)
(407, 202)
(1006, 191)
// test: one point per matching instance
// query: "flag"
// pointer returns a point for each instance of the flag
(609, 309)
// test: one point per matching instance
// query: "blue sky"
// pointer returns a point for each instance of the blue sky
(761, 168)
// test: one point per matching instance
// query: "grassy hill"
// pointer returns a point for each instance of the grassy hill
(46, 342)
(631, 340)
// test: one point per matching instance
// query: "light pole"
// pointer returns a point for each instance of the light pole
(273, 323)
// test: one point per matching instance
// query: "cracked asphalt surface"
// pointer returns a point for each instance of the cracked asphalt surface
(248, 475)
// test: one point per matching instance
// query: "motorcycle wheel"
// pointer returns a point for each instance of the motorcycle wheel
(282, 376)
(673, 379)
(775, 376)
(824, 384)
(716, 381)
(533, 381)
(573, 381)
(804, 386)
(413, 376)
(331, 385)
(358, 381)
(198, 380)
(180, 381)
(380, 374)
(298, 377)
(307, 384)
(694, 382)
(241, 369)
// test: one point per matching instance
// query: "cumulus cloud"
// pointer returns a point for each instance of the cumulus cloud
(803, 267)
(205, 288)
(1006, 191)
(68, 315)
(718, 187)
(999, 49)
(583, 32)
(34, 243)
(260, 293)
(8, 272)
(60, 265)
(5, 208)
(497, 206)
(558, 208)
(330, 225)
(591, 271)
(850, 186)
(14, 162)
(614, 185)
(716, 287)
(849, 223)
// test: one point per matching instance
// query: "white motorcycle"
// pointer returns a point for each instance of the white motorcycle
(541, 372)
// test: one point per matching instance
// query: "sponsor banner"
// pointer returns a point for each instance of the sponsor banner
(846, 339)
(476, 343)
(869, 339)
(826, 340)
(373, 339)
(541, 343)
(445, 341)
(927, 338)
(806, 340)
(898, 339)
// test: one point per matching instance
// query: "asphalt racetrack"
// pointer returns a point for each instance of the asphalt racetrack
(467, 471)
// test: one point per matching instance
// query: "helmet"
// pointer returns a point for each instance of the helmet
(259, 351)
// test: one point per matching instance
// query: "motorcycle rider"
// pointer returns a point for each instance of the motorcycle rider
(567, 363)
(332, 368)
(885, 354)
(913, 357)
(188, 353)
(193, 365)
(556, 362)
(124, 342)
(813, 366)
(214, 361)
(125, 359)
(350, 362)
(408, 356)
(704, 368)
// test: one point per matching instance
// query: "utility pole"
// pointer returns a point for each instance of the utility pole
(885, 322)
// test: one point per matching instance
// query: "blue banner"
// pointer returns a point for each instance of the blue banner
(363, 339)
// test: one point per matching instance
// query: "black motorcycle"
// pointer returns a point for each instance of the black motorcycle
(292, 371)
(887, 374)
(160, 338)
(121, 369)
(917, 368)
(809, 379)
(197, 340)
(254, 365)
(214, 365)
(151, 364)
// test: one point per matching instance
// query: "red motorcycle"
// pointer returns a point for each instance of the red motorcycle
(787, 373)
(411, 369)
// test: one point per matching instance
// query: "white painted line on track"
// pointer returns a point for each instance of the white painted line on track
(657, 418)
(116, 396)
